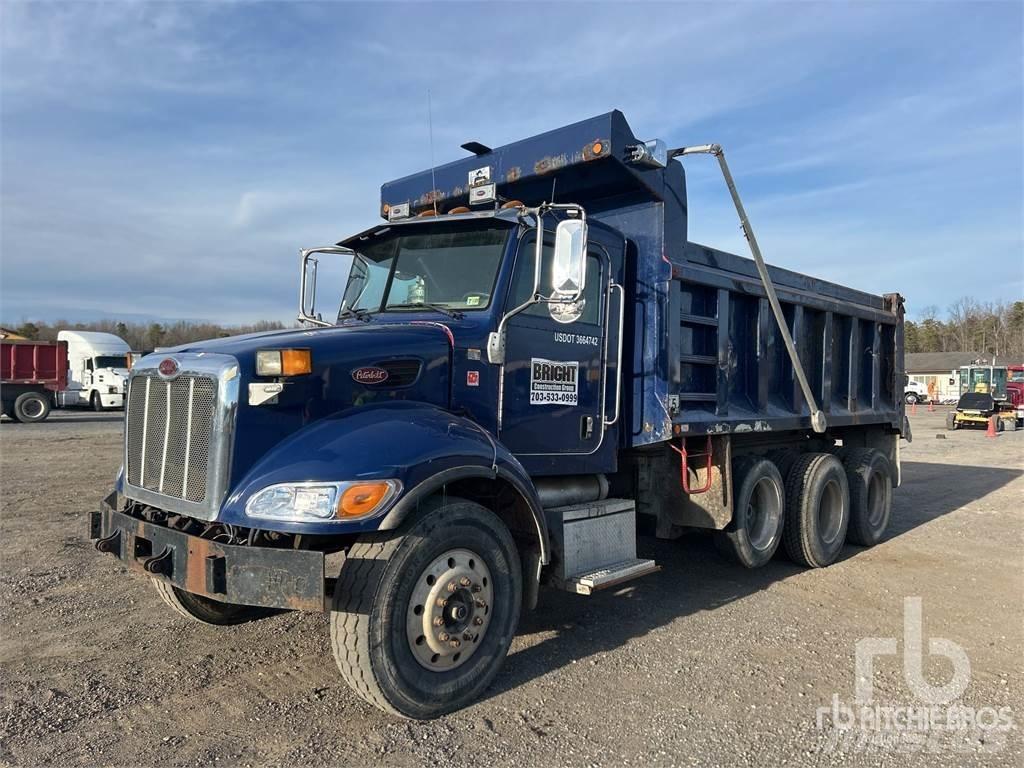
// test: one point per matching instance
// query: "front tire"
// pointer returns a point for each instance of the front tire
(31, 407)
(204, 610)
(423, 618)
(96, 402)
(911, 398)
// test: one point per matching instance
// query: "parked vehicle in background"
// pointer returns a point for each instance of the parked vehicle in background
(915, 392)
(31, 373)
(98, 365)
(486, 404)
(1015, 391)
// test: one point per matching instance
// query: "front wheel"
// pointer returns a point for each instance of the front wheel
(96, 402)
(911, 398)
(423, 618)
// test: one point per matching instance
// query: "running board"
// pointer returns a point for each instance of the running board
(610, 576)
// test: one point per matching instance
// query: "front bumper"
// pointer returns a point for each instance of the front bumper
(112, 399)
(262, 576)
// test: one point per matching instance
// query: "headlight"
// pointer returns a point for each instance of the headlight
(311, 502)
(111, 389)
(283, 362)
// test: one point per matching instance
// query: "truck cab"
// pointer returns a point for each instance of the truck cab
(525, 354)
(98, 365)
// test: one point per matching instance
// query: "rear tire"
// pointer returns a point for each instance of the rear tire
(395, 637)
(817, 510)
(206, 611)
(759, 511)
(870, 479)
(783, 459)
(31, 407)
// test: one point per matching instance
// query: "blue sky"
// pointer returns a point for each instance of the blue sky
(168, 160)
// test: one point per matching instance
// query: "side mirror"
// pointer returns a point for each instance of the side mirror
(569, 266)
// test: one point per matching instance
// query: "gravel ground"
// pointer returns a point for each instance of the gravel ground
(702, 663)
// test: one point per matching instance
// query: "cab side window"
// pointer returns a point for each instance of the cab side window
(522, 281)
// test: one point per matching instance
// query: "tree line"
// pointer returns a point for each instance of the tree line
(986, 328)
(144, 337)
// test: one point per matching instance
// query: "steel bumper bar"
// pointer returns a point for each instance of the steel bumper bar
(262, 576)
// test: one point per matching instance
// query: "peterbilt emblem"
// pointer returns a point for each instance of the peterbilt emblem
(371, 374)
(168, 367)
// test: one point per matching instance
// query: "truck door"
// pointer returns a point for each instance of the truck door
(555, 359)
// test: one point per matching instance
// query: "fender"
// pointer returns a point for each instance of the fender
(421, 445)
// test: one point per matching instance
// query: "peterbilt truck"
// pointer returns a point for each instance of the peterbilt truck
(528, 356)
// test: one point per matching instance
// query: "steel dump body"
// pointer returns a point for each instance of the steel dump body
(38, 363)
(728, 367)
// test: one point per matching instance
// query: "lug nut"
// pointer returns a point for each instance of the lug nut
(480, 604)
(452, 586)
(478, 620)
(438, 621)
(477, 587)
(464, 581)
(441, 602)
(454, 643)
(467, 636)
(443, 637)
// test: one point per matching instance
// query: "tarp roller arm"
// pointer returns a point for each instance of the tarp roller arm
(817, 415)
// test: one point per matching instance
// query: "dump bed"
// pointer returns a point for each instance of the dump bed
(43, 363)
(730, 372)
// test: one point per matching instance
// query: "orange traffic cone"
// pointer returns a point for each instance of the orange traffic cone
(913, 408)
(931, 406)
(991, 427)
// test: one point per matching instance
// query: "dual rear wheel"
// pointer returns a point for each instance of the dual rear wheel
(811, 504)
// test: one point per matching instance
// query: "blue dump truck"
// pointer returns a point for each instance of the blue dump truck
(527, 358)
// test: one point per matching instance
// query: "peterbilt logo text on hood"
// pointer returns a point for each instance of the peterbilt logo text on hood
(168, 367)
(370, 375)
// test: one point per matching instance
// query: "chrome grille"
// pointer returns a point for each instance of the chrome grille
(168, 431)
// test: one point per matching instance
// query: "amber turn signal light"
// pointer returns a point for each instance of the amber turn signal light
(283, 362)
(363, 498)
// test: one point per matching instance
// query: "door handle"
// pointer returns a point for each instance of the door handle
(613, 286)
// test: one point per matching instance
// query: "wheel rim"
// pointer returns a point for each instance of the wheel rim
(763, 514)
(450, 610)
(830, 512)
(32, 408)
(876, 498)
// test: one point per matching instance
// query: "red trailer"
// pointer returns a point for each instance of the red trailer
(30, 373)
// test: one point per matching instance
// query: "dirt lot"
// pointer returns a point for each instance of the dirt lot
(701, 663)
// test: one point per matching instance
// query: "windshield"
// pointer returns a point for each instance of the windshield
(110, 361)
(452, 268)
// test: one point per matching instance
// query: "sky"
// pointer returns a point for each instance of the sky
(163, 161)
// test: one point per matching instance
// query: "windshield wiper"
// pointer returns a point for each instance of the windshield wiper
(453, 313)
(359, 313)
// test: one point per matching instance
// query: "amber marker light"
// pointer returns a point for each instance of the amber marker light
(363, 498)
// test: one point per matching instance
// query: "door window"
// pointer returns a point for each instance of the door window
(588, 308)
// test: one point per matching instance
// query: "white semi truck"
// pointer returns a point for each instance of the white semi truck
(98, 365)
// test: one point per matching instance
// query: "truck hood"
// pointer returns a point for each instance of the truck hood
(353, 366)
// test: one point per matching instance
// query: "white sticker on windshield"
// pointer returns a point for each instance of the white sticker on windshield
(554, 382)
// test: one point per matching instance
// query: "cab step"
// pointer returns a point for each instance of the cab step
(595, 545)
(611, 576)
